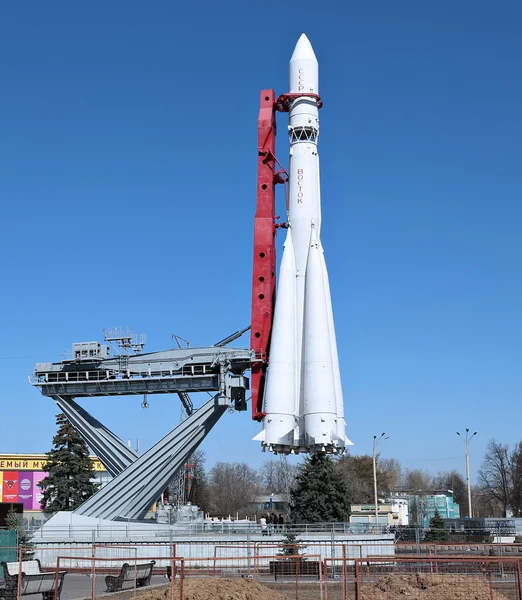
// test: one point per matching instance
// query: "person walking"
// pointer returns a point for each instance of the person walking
(264, 526)
(269, 523)
(281, 521)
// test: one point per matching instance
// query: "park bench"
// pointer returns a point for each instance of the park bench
(33, 580)
(140, 574)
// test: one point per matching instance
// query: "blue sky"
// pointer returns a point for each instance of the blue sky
(128, 176)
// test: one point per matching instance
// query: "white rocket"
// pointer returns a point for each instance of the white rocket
(303, 395)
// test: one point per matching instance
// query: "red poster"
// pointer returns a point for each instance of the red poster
(10, 488)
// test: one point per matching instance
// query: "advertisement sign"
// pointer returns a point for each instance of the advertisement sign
(25, 489)
(33, 462)
(20, 475)
(10, 487)
(37, 492)
(21, 487)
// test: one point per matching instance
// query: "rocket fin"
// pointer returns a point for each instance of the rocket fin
(260, 437)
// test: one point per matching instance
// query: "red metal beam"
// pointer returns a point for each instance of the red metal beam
(284, 100)
(264, 267)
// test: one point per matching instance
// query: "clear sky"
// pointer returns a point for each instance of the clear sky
(127, 183)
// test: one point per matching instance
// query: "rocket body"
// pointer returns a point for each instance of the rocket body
(303, 395)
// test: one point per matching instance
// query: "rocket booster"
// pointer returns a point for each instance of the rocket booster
(303, 394)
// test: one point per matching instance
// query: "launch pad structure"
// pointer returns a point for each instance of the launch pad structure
(270, 173)
(138, 481)
(317, 423)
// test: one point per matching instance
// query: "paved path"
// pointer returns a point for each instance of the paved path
(76, 586)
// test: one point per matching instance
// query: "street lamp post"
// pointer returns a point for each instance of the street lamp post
(466, 441)
(376, 440)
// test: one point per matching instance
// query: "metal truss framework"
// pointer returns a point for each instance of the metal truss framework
(264, 263)
(138, 481)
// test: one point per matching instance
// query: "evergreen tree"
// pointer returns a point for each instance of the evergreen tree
(69, 482)
(290, 545)
(319, 493)
(14, 522)
(437, 533)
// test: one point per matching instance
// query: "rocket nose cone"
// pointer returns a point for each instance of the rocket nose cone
(303, 50)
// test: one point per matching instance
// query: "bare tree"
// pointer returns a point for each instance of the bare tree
(454, 481)
(484, 505)
(268, 474)
(440, 480)
(418, 506)
(417, 480)
(232, 488)
(278, 475)
(197, 481)
(495, 475)
(516, 480)
(357, 472)
(287, 476)
(391, 469)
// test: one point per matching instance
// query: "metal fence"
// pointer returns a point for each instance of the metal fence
(232, 553)
(8, 542)
(456, 577)
(455, 549)
(130, 531)
(347, 573)
(90, 533)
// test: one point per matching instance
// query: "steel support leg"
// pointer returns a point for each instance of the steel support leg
(113, 453)
(131, 494)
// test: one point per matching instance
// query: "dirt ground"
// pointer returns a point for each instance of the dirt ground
(429, 587)
(388, 587)
(216, 588)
